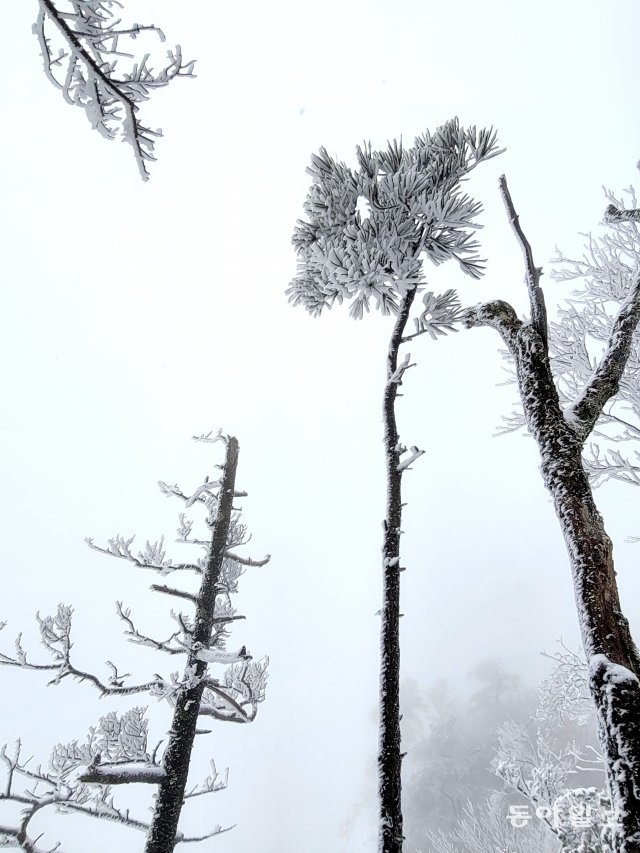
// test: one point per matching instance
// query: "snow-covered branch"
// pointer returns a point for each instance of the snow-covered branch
(605, 380)
(498, 315)
(153, 557)
(85, 67)
(55, 636)
(414, 453)
(211, 784)
(123, 774)
(247, 561)
(398, 373)
(135, 636)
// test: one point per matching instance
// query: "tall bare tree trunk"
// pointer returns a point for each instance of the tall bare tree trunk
(390, 836)
(162, 836)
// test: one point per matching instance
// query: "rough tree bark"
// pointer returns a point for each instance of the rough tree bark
(390, 835)
(560, 436)
(169, 799)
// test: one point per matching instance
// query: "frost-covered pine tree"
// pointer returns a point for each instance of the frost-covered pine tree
(86, 53)
(79, 777)
(414, 209)
(561, 422)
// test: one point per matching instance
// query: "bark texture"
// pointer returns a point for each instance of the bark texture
(560, 436)
(163, 833)
(390, 836)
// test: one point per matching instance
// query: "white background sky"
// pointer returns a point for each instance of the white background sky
(135, 315)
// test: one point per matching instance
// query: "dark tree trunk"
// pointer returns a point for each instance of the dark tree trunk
(613, 659)
(608, 646)
(390, 837)
(614, 663)
(169, 800)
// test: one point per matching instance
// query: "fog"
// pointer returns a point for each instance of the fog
(136, 315)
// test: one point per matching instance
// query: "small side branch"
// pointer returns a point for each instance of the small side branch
(169, 590)
(123, 774)
(414, 453)
(246, 561)
(533, 273)
(398, 373)
(55, 635)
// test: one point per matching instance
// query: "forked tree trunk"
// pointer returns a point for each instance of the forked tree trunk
(614, 664)
(390, 835)
(161, 837)
(613, 659)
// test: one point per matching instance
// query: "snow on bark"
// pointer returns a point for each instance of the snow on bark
(390, 836)
(162, 836)
(560, 437)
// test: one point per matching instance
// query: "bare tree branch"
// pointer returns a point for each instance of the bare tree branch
(533, 273)
(246, 561)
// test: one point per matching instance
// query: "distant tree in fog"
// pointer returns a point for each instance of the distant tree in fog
(544, 750)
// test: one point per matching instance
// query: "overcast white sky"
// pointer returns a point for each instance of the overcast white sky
(135, 315)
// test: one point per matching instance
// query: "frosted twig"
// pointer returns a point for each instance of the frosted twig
(88, 71)
(414, 453)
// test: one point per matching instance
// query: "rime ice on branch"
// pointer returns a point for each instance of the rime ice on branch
(80, 776)
(85, 49)
(365, 239)
(561, 423)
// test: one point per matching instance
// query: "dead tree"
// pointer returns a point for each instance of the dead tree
(80, 776)
(560, 432)
(365, 238)
(84, 47)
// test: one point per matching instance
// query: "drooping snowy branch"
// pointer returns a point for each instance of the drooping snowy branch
(86, 65)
